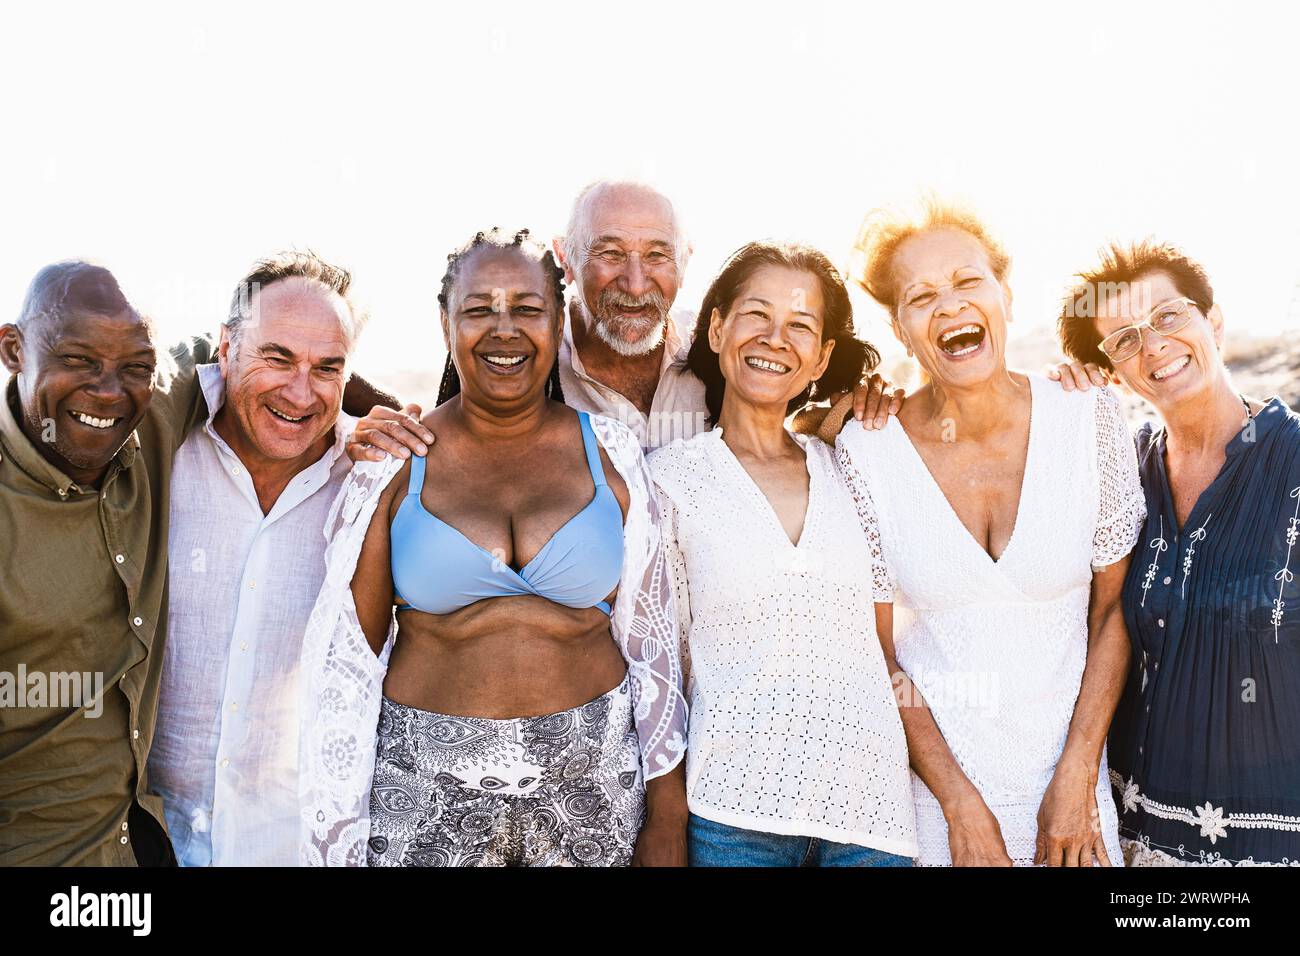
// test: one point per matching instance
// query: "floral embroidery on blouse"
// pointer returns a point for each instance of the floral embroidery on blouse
(1286, 575)
(1195, 538)
(1213, 822)
(1160, 545)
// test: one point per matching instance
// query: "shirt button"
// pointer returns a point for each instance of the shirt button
(1168, 579)
(235, 470)
(225, 762)
(124, 839)
(243, 645)
(63, 492)
(1160, 622)
(252, 584)
(123, 826)
(135, 735)
(137, 621)
(120, 558)
(234, 706)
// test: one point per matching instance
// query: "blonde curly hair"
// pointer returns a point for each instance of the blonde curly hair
(886, 228)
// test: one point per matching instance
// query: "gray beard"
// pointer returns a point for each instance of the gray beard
(607, 331)
(642, 346)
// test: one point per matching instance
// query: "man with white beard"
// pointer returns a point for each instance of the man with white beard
(624, 350)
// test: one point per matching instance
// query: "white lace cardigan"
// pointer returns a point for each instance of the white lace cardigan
(342, 679)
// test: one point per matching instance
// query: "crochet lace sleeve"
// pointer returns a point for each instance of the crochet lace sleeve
(1121, 505)
(341, 685)
(882, 580)
(644, 621)
(677, 571)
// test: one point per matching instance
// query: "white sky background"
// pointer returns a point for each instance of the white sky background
(176, 146)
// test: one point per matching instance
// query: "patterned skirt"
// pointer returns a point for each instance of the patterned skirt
(560, 790)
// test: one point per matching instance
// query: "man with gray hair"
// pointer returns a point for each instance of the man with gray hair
(623, 353)
(623, 348)
(89, 423)
(250, 493)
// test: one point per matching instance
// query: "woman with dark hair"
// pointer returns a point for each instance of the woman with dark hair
(797, 751)
(531, 711)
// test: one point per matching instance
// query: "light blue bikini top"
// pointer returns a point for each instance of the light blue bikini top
(438, 570)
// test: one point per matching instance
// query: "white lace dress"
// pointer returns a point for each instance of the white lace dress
(343, 681)
(998, 647)
(794, 728)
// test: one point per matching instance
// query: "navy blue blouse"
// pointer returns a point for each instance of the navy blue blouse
(1205, 746)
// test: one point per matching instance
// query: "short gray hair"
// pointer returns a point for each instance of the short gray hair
(293, 265)
(72, 286)
(576, 236)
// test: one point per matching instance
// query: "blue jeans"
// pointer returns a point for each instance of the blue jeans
(716, 844)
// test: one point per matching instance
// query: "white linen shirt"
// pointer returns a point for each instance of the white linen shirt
(677, 409)
(242, 584)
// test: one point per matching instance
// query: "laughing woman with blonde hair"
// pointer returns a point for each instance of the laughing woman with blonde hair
(1008, 509)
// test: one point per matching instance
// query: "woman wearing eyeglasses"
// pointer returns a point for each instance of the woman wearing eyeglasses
(1205, 746)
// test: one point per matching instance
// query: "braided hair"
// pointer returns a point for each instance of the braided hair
(497, 239)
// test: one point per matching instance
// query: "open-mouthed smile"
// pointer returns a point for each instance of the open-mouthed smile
(504, 363)
(767, 365)
(90, 421)
(1172, 368)
(286, 417)
(961, 340)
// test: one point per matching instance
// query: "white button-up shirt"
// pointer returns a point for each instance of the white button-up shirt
(242, 585)
(677, 410)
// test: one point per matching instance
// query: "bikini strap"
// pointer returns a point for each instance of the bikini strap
(593, 450)
(416, 483)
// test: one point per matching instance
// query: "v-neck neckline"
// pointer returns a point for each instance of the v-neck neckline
(1030, 459)
(765, 504)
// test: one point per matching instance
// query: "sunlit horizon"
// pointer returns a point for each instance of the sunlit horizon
(177, 146)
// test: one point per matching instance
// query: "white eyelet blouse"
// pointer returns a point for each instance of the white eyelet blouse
(794, 728)
(998, 648)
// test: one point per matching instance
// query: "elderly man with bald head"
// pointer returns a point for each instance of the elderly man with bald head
(624, 349)
(89, 422)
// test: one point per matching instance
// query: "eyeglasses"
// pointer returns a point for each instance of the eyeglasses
(1165, 318)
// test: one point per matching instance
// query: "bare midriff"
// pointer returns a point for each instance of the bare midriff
(502, 658)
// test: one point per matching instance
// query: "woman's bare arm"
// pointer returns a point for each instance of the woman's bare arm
(372, 582)
(1069, 830)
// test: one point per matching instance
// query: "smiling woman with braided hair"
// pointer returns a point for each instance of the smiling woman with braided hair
(533, 687)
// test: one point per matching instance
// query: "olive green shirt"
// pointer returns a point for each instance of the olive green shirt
(83, 582)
